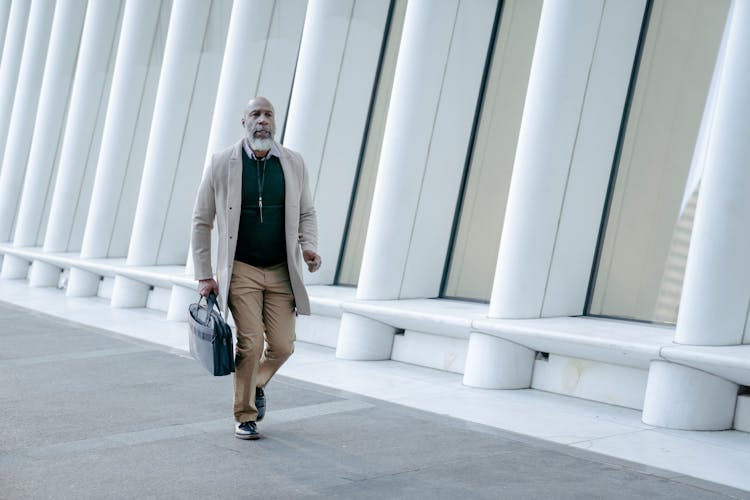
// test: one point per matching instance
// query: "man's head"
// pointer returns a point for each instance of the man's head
(258, 121)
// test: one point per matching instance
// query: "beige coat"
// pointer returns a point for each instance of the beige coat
(220, 198)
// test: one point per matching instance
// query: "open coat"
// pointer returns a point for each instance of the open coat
(220, 198)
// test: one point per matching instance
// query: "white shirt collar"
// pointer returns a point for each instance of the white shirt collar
(249, 152)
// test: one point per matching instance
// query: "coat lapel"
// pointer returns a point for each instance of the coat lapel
(289, 204)
(234, 196)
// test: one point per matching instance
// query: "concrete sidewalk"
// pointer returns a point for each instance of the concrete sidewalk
(91, 414)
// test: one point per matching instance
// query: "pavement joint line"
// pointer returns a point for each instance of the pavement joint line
(183, 430)
(52, 358)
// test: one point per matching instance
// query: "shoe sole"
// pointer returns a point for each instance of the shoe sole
(247, 437)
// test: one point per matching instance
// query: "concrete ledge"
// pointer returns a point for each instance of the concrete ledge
(729, 362)
(609, 341)
(326, 300)
(604, 340)
(158, 276)
(450, 318)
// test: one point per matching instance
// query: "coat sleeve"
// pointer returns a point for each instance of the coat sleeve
(204, 213)
(308, 219)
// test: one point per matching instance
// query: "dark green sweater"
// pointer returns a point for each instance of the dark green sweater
(261, 244)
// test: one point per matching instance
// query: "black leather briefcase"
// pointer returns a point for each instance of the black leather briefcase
(210, 337)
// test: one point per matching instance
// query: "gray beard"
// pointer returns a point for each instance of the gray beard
(257, 144)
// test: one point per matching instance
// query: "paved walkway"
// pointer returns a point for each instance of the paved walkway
(90, 414)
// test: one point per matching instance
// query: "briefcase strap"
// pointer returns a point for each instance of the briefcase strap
(213, 302)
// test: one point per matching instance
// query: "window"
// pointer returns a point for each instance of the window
(477, 237)
(643, 252)
(354, 245)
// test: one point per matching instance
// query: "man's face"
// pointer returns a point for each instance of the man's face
(258, 121)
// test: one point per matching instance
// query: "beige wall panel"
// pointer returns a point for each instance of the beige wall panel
(478, 237)
(675, 72)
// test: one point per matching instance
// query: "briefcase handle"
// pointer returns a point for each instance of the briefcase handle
(213, 302)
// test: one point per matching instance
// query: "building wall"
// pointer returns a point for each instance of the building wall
(523, 192)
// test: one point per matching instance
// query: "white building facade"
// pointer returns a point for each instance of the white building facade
(535, 194)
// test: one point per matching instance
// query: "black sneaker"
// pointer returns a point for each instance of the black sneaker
(246, 430)
(260, 403)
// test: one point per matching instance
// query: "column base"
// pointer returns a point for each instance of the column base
(128, 293)
(14, 268)
(179, 302)
(493, 363)
(43, 274)
(364, 339)
(82, 283)
(679, 397)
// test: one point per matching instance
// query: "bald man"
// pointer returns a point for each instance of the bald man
(257, 192)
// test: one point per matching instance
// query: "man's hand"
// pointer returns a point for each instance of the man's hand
(312, 260)
(205, 287)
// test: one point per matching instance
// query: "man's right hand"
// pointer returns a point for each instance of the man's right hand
(205, 287)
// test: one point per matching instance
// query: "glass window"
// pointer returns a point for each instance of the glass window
(477, 237)
(354, 246)
(644, 249)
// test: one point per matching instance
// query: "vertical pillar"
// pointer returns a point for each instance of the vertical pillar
(53, 101)
(24, 113)
(423, 52)
(716, 289)
(133, 55)
(320, 60)
(328, 109)
(4, 16)
(494, 363)
(90, 81)
(365, 339)
(182, 54)
(10, 64)
(680, 397)
(240, 70)
(568, 32)
(242, 63)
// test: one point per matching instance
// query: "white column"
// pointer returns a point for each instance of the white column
(53, 101)
(24, 113)
(182, 54)
(243, 61)
(79, 146)
(10, 64)
(442, 57)
(318, 69)
(716, 290)
(423, 52)
(494, 363)
(328, 110)
(240, 71)
(576, 93)
(680, 397)
(424, 49)
(89, 84)
(133, 55)
(4, 16)
(365, 340)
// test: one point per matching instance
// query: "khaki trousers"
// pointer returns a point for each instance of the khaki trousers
(261, 300)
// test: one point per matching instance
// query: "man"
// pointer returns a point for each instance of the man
(258, 193)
